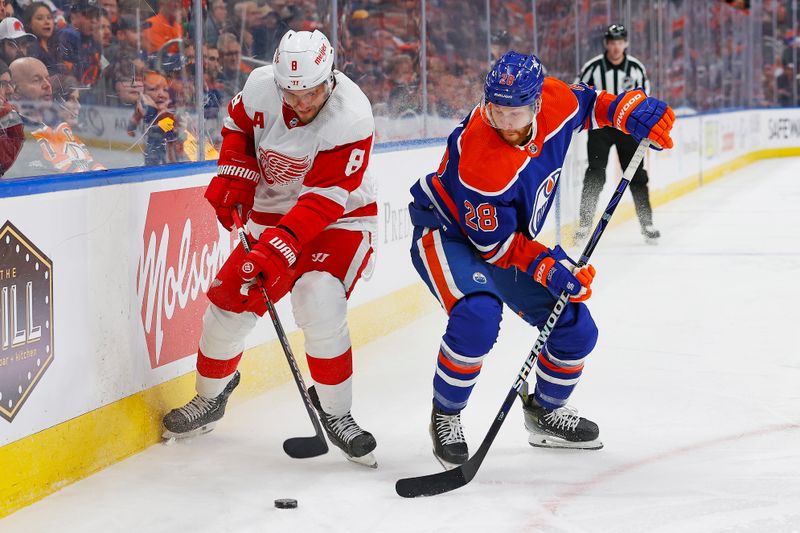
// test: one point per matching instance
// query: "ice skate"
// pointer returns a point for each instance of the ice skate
(200, 415)
(558, 428)
(449, 446)
(343, 432)
(651, 234)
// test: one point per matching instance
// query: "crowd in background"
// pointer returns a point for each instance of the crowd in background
(74, 72)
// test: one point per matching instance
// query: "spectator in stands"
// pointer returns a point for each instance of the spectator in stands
(128, 82)
(112, 9)
(274, 29)
(77, 51)
(162, 27)
(14, 40)
(155, 113)
(358, 23)
(212, 67)
(255, 16)
(12, 134)
(66, 97)
(234, 72)
(38, 19)
(67, 108)
(216, 21)
(146, 101)
(12, 137)
(124, 47)
(7, 9)
(363, 62)
(4, 76)
(180, 75)
(290, 14)
(33, 93)
(189, 55)
(120, 58)
(102, 32)
(783, 84)
(103, 36)
(6, 89)
(214, 87)
(240, 27)
(33, 98)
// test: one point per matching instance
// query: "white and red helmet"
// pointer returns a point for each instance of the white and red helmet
(303, 60)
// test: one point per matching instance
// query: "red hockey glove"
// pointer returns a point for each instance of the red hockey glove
(234, 184)
(556, 271)
(641, 116)
(274, 253)
(228, 292)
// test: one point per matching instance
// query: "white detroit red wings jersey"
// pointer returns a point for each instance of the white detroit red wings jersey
(313, 176)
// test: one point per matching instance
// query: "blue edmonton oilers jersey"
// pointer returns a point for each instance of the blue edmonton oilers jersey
(497, 196)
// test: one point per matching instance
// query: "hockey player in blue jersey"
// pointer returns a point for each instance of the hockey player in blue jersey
(476, 220)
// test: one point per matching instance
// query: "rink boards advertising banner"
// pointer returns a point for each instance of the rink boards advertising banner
(182, 252)
(117, 286)
(26, 318)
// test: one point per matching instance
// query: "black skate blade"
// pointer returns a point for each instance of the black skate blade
(168, 435)
(305, 447)
(547, 441)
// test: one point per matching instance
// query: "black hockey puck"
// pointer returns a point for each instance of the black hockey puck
(286, 503)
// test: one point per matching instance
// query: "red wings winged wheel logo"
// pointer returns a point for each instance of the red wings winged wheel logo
(280, 169)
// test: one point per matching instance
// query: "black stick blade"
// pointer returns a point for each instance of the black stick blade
(305, 447)
(433, 484)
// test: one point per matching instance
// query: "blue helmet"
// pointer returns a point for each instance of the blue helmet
(515, 80)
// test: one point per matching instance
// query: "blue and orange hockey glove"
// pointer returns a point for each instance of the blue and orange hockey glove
(557, 272)
(642, 116)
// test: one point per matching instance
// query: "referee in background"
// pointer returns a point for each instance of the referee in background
(614, 71)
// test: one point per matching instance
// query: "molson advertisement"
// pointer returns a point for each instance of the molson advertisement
(183, 249)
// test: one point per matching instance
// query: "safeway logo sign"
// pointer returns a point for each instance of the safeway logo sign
(183, 249)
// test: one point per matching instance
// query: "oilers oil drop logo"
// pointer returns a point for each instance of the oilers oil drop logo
(541, 203)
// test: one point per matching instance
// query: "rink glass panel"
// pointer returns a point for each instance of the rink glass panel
(421, 63)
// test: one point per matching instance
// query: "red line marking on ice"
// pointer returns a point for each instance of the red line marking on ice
(579, 489)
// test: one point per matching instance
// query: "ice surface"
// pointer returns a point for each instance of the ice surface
(695, 384)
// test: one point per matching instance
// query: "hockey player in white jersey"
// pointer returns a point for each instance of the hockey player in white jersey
(294, 157)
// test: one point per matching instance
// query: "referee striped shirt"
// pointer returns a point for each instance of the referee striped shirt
(601, 74)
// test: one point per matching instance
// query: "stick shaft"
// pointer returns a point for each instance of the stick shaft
(276, 322)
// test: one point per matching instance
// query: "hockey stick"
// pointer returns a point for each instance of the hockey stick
(448, 480)
(296, 447)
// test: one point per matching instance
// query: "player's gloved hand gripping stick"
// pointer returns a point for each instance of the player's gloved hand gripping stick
(296, 447)
(458, 477)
